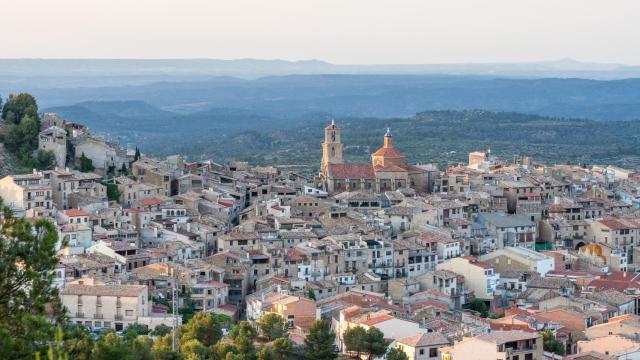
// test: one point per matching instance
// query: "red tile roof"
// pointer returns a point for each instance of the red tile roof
(151, 201)
(389, 168)
(388, 152)
(75, 212)
(617, 280)
(613, 224)
(472, 260)
(376, 319)
(351, 171)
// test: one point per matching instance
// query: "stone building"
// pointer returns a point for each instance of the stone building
(54, 139)
(388, 169)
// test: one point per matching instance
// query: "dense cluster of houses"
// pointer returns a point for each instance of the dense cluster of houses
(473, 261)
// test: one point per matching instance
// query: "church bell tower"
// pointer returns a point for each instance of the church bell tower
(331, 147)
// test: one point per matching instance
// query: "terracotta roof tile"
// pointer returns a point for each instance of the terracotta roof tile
(351, 171)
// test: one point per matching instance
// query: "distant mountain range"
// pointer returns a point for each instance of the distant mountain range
(295, 96)
(112, 71)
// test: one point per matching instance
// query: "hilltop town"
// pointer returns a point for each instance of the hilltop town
(515, 257)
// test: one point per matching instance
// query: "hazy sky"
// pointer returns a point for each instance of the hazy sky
(338, 31)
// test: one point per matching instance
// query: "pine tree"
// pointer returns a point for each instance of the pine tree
(27, 259)
(319, 343)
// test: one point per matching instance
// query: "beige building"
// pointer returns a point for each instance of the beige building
(65, 183)
(519, 259)
(523, 197)
(619, 347)
(497, 345)
(624, 325)
(97, 305)
(152, 172)
(479, 276)
(28, 194)
(422, 346)
(132, 192)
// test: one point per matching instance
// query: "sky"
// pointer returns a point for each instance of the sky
(337, 31)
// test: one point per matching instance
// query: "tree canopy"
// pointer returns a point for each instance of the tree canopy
(18, 107)
(550, 343)
(273, 326)
(396, 354)
(320, 341)
(86, 164)
(20, 112)
(27, 260)
(203, 327)
(360, 341)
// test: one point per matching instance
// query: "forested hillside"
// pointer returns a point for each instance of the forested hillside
(433, 136)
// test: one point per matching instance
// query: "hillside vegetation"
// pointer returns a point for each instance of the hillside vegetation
(433, 136)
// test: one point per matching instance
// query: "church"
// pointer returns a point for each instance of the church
(387, 171)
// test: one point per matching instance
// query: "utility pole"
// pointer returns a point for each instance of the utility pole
(174, 303)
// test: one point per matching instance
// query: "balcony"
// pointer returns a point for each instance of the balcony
(118, 317)
(98, 316)
(79, 314)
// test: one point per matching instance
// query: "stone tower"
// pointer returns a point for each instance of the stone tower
(331, 147)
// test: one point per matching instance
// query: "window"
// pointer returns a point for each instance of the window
(128, 312)
(433, 352)
(421, 351)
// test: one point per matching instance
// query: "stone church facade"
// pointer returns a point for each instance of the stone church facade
(388, 170)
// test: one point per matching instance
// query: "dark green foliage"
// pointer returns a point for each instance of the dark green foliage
(27, 260)
(311, 294)
(123, 170)
(203, 327)
(18, 107)
(281, 349)
(550, 343)
(186, 313)
(23, 136)
(478, 306)
(136, 157)
(136, 329)
(86, 164)
(370, 342)
(243, 336)
(319, 343)
(355, 340)
(20, 138)
(113, 194)
(44, 160)
(273, 326)
(376, 345)
(396, 354)
(161, 330)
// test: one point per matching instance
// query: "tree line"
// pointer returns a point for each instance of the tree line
(22, 127)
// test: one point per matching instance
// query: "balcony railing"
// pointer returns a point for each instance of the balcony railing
(79, 314)
(98, 316)
(118, 317)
